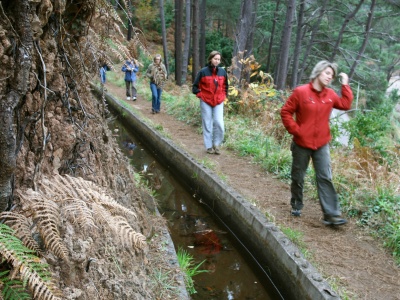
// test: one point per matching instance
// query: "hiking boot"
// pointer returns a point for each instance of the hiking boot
(216, 150)
(330, 220)
(128, 98)
(296, 212)
(210, 151)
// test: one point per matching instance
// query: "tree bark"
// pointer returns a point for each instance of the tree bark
(297, 47)
(202, 46)
(271, 39)
(178, 41)
(346, 21)
(195, 40)
(164, 34)
(314, 31)
(18, 84)
(281, 72)
(186, 47)
(244, 37)
(368, 27)
(130, 26)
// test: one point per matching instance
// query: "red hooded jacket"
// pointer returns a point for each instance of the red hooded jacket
(211, 85)
(310, 128)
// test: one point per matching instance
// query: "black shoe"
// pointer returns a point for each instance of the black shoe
(334, 221)
(210, 151)
(134, 98)
(296, 212)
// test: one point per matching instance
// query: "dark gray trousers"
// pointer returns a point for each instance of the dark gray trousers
(328, 198)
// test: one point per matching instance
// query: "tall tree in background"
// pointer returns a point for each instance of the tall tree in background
(282, 68)
(186, 47)
(244, 37)
(178, 41)
(271, 39)
(368, 28)
(297, 47)
(314, 31)
(346, 21)
(195, 40)
(202, 44)
(129, 14)
(164, 34)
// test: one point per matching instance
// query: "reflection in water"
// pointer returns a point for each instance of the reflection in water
(193, 229)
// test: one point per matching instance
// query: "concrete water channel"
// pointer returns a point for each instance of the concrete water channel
(249, 257)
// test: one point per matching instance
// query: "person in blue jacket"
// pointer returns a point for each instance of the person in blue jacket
(130, 67)
(103, 69)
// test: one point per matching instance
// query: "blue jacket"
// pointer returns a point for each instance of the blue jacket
(130, 69)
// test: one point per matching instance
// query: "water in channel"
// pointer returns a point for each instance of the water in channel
(232, 273)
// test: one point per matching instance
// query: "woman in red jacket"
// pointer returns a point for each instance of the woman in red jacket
(312, 105)
(211, 86)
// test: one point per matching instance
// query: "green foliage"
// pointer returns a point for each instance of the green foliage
(372, 128)
(12, 289)
(168, 16)
(297, 238)
(383, 215)
(215, 40)
(190, 269)
(34, 273)
(164, 284)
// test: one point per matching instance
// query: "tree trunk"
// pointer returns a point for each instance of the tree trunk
(186, 47)
(346, 21)
(297, 48)
(271, 39)
(314, 32)
(281, 72)
(164, 34)
(18, 85)
(195, 40)
(244, 37)
(178, 41)
(130, 26)
(368, 27)
(202, 50)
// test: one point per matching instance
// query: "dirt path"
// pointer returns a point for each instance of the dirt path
(347, 255)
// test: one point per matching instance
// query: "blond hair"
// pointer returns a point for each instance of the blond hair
(322, 65)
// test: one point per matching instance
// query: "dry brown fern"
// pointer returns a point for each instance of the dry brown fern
(78, 212)
(83, 203)
(40, 289)
(121, 228)
(129, 237)
(22, 228)
(47, 215)
(88, 191)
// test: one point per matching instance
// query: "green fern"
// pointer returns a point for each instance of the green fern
(12, 288)
(30, 269)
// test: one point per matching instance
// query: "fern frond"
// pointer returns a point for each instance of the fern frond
(12, 288)
(129, 237)
(40, 289)
(33, 272)
(21, 226)
(47, 214)
(79, 213)
(88, 191)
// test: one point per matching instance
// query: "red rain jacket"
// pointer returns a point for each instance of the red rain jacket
(211, 85)
(310, 128)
